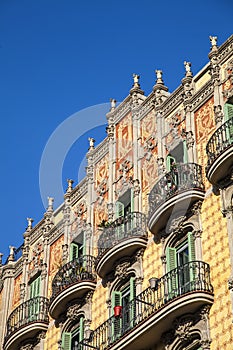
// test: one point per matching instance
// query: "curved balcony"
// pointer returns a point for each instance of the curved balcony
(153, 311)
(175, 192)
(73, 280)
(26, 322)
(219, 151)
(122, 237)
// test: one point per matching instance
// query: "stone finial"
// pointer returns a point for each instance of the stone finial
(187, 66)
(91, 143)
(136, 78)
(213, 41)
(70, 185)
(12, 251)
(113, 104)
(30, 221)
(50, 204)
(159, 76)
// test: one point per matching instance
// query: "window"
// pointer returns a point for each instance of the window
(125, 205)
(78, 247)
(177, 155)
(124, 298)
(34, 305)
(182, 273)
(228, 113)
(71, 340)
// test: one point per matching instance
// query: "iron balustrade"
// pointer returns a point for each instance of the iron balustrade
(191, 277)
(32, 310)
(75, 271)
(182, 177)
(131, 225)
(219, 141)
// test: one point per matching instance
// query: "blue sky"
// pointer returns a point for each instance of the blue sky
(59, 57)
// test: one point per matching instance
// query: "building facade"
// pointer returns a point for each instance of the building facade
(140, 253)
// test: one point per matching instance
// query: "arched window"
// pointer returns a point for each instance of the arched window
(71, 340)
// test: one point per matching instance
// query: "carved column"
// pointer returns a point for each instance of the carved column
(215, 76)
(7, 296)
(112, 161)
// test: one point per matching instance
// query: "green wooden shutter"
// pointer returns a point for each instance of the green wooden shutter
(73, 251)
(172, 277)
(191, 245)
(169, 161)
(132, 300)
(119, 209)
(34, 307)
(117, 322)
(228, 109)
(228, 112)
(192, 257)
(66, 341)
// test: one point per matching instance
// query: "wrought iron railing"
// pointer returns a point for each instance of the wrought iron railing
(181, 178)
(74, 271)
(191, 277)
(32, 310)
(132, 225)
(219, 141)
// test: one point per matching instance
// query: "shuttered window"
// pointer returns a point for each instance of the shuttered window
(71, 340)
(182, 272)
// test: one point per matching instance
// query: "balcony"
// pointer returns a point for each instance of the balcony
(219, 151)
(72, 281)
(182, 290)
(123, 237)
(175, 192)
(26, 322)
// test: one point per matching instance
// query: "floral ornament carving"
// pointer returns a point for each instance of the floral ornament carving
(36, 263)
(218, 114)
(182, 329)
(177, 225)
(150, 144)
(121, 270)
(189, 139)
(73, 311)
(101, 190)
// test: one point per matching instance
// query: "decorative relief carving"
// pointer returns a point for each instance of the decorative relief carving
(218, 114)
(121, 270)
(136, 187)
(36, 262)
(189, 139)
(177, 225)
(73, 311)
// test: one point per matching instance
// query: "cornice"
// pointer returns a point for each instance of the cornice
(56, 232)
(36, 232)
(79, 191)
(172, 102)
(202, 95)
(99, 152)
(121, 110)
(225, 50)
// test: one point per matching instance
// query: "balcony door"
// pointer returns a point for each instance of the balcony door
(34, 303)
(124, 298)
(181, 273)
(71, 340)
(124, 208)
(228, 113)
